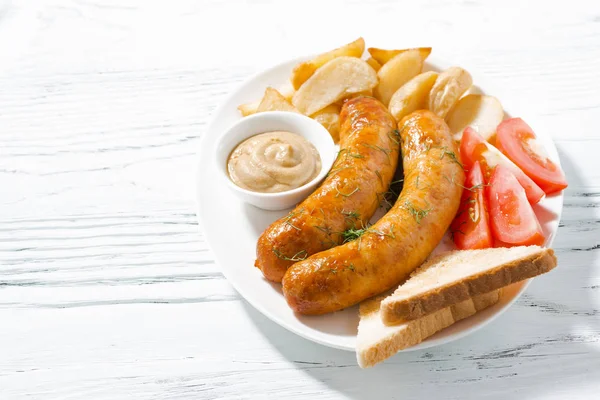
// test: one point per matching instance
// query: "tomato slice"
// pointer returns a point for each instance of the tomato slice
(470, 228)
(475, 148)
(517, 141)
(512, 219)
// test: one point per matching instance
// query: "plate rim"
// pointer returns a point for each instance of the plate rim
(256, 304)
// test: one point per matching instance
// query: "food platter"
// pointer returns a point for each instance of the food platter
(232, 227)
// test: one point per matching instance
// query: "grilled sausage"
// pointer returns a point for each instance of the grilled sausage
(398, 243)
(348, 197)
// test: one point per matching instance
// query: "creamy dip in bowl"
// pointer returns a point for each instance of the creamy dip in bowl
(273, 160)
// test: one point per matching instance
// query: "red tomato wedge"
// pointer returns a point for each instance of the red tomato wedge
(512, 219)
(517, 141)
(470, 228)
(475, 148)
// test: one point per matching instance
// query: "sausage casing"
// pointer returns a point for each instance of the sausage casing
(348, 197)
(399, 242)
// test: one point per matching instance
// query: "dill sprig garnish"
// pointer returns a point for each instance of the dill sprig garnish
(349, 153)
(384, 201)
(418, 184)
(356, 189)
(325, 229)
(473, 188)
(447, 152)
(352, 234)
(394, 136)
(387, 199)
(299, 256)
(328, 241)
(379, 176)
(453, 157)
(390, 234)
(292, 214)
(336, 170)
(351, 214)
(417, 213)
(375, 147)
(355, 155)
(329, 270)
(391, 192)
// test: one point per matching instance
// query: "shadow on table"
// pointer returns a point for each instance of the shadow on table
(470, 365)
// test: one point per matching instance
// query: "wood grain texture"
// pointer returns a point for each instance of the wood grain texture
(107, 288)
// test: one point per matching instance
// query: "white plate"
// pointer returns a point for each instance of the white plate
(232, 228)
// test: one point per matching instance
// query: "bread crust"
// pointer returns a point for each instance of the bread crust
(396, 310)
(377, 342)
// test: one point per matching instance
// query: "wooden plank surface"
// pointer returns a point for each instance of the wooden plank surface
(108, 289)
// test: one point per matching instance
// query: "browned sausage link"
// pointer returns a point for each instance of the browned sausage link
(369, 147)
(399, 242)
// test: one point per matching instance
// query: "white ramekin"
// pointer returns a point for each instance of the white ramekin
(270, 121)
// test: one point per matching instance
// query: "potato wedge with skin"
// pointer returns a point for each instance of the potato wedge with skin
(303, 71)
(480, 112)
(286, 90)
(412, 96)
(334, 81)
(329, 117)
(373, 63)
(382, 56)
(447, 89)
(396, 72)
(274, 101)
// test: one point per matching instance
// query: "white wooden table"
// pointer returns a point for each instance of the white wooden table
(108, 290)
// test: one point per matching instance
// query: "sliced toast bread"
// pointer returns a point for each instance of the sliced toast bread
(376, 342)
(456, 276)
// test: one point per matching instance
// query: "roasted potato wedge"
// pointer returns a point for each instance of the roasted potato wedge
(274, 101)
(335, 80)
(382, 56)
(449, 86)
(373, 63)
(396, 73)
(286, 90)
(249, 108)
(412, 96)
(480, 112)
(305, 70)
(329, 117)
